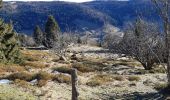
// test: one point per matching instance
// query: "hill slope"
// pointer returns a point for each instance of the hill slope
(75, 16)
(71, 16)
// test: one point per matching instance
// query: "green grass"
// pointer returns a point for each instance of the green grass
(11, 93)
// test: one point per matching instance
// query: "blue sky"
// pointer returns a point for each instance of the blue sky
(52, 0)
(58, 0)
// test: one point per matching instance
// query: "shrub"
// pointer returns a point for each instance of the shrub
(118, 78)
(160, 86)
(30, 58)
(133, 78)
(43, 76)
(62, 70)
(21, 76)
(21, 83)
(42, 83)
(9, 51)
(99, 80)
(83, 67)
(158, 70)
(11, 68)
(131, 63)
(94, 83)
(61, 78)
(55, 60)
(153, 71)
(35, 64)
(35, 55)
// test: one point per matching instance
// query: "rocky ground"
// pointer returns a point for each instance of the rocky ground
(114, 77)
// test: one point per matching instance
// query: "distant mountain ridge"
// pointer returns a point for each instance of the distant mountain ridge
(76, 17)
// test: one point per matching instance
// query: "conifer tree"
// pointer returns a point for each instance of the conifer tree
(9, 48)
(38, 36)
(51, 32)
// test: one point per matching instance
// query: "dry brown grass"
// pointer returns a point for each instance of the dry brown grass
(133, 78)
(21, 76)
(82, 67)
(42, 83)
(34, 64)
(99, 80)
(11, 68)
(35, 55)
(62, 69)
(119, 78)
(21, 83)
(61, 78)
(130, 63)
(43, 76)
(152, 71)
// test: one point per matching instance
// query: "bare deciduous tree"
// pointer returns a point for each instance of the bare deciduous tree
(142, 41)
(162, 6)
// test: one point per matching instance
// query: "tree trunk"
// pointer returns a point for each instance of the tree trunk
(74, 80)
(147, 66)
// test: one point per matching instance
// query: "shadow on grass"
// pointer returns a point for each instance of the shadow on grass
(99, 51)
(138, 96)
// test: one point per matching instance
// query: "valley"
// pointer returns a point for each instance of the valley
(114, 77)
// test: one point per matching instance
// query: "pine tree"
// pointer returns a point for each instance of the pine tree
(9, 48)
(51, 32)
(38, 36)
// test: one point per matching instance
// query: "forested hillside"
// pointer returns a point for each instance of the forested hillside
(75, 17)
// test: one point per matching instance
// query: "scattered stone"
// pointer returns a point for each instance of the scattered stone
(74, 57)
(132, 84)
(148, 82)
(5, 81)
(63, 58)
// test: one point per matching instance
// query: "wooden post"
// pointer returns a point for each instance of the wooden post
(74, 80)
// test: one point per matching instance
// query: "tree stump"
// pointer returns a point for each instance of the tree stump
(74, 80)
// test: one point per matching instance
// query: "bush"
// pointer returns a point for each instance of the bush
(62, 78)
(118, 78)
(35, 55)
(21, 83)
(131, 63)
(160, 86)
(133, 78)
(9, 51)
(94, 83)
(43, 76)
(11, 68)
(62, 70)
(35, 64)
(42, 83)
(158, 70)
(153, 71)
(83, 67)
(21, 76)
(99, 80)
